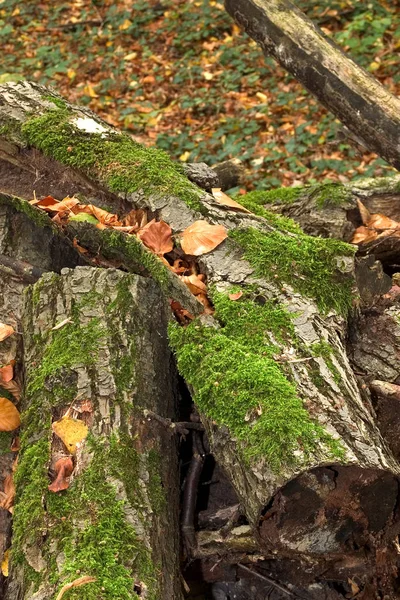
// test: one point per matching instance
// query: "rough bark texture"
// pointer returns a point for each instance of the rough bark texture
(369, 111)
(289, 424)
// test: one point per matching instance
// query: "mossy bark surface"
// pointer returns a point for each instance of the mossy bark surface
(111, 522)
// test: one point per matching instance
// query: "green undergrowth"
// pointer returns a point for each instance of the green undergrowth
(238, 383)
(283, 195)
(125, 166)
(5, 442)
(309, 264)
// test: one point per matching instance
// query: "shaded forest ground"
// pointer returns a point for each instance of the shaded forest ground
(179, 74)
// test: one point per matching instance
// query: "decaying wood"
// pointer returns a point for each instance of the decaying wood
(318, 515)
(363, 105)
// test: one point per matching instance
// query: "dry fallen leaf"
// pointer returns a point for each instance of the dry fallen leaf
(7, 372)
(9, 415)
(364, 212)
(135, 218)
(157, 235)
(362, 235)
(182, 315)
(5, 331)
(208, 309)
(381, 222)
(71, 432)
(101, 215)
(194, 283)
(201, 237)
(4, 563)
(63, 468)
(47, 201)
(65, 205)
(225, 200)
(7, 496)
(76, 583)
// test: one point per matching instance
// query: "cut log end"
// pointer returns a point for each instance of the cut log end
(331, 510)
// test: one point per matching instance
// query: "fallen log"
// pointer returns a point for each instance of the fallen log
(268, 370)
(356, 98)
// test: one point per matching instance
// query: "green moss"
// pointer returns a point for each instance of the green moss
(308, 264)
(22, 206)
(284, 195)
(325, 351)
(70, 346)
(5, 442)
(118, 161)
(237, 382)
(330, 194)
(59, 102)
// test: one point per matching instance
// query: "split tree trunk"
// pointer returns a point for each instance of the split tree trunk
(285, 417)
(356, 98)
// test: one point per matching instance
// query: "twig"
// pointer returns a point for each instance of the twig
(268, 580)
(190, 495)
(181, 427)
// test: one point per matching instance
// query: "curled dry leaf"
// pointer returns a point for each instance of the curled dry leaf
(101, 215)
(43, 202)
(364, 212)
(208, 309)
(5, 331)
(9, 415)
(65, 205)
(201, 237)
(73, 584)
(362, 235)
(182, 315)
(7, 496)
(194, 283)
(63, 468)
(157, 235)
(135, 218)
(225, 200)
(71, 432)
(381, 222)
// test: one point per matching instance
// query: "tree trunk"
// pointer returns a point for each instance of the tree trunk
(356, 98)
(305, 476)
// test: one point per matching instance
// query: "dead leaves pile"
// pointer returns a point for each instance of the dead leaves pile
(199, 238)
(375, 226)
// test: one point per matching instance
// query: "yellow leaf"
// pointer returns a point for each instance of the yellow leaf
(125, 25)
(71, 74)
(207, 75)
(89, 90)
(71, 432)
(130, 56)
(262, 97)
(183, 157)
(4, 564)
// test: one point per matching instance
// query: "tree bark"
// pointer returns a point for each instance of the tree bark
(356, 98)
(286, 418)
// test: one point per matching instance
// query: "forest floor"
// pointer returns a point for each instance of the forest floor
(179, 74)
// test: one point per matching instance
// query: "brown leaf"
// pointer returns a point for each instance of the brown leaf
(182, 315)
(362, 235)
(65, 205)
(78, 247)
(157, 235)
(364, 212)
(7, 496)
(135, 218)
(194, 283)
(236, 296)
(9, 415)
(225, 200)
(381, 222)
(76, 583)
(208, 309)
(47, 201)
(63, 468)
(5, 331)
(7, 372)
(84, 406)
(201, 237)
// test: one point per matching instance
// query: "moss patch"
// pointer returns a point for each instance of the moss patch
(284, 195)
(22, 206)
(308, 264)
(237, 382)
(121, 163)
(5, 442)
(330, 194)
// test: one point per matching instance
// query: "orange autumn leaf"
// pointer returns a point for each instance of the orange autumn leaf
(9, 415)
(157, 235)
(208, 309)
(182, 315)
(5, 331)
(201, 237)
(381, 222)
(43, 202)
(225, 200)
(135, 218)
(65, 205)
(194, 283)
(364, 212)
(362, 235)
(235, 296)
(63, 469)
(7, 372)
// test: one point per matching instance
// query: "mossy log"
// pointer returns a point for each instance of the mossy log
(354, 96)
(269, 372)
(103, 367)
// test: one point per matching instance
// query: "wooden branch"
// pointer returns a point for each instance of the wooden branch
(367, 109)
